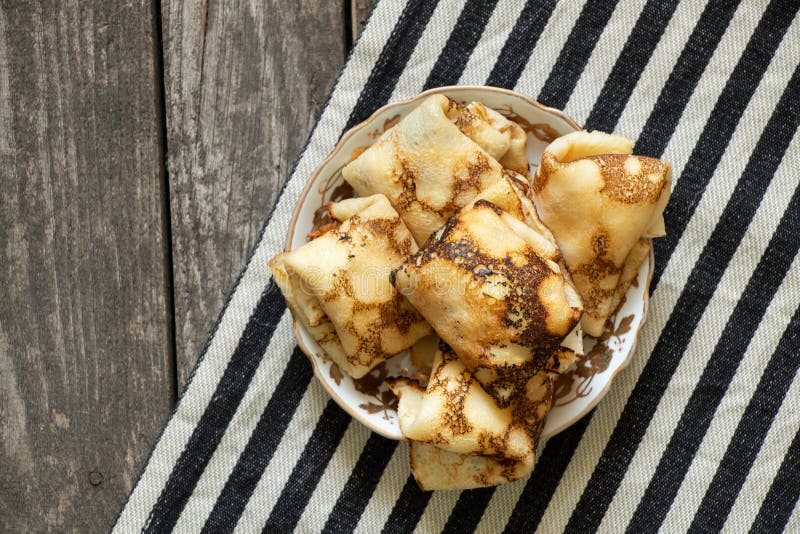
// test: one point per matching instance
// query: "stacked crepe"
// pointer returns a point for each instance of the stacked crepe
(490, 279)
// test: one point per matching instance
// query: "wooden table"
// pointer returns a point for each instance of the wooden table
(142, 144)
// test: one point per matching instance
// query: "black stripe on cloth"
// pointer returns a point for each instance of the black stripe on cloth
(377, 452)
(411, 24)
(213, 332)
(618, 87)
(219, 411)
(520, 43)
(684, 77)
(783, 493)
(750, 432)
(392, 60)
(576, 52)
(664, 359)
(360, 485)
(545, 478)
(407, 509)
(721, 124)
(462, 41)
(747, 314)
(467, 513)
(631, 63)
(308, 470)
(265, 438)
(671, 103)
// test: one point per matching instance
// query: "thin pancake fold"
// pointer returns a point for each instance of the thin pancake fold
(492, 288)
(460, 436)
(338, 285)
(600, 202)
(428, 167)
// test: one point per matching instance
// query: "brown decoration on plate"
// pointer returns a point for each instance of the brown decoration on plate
(540, 130)
(336, 374)
(387, 401)
(388, 123)
(593, 362)
(334, 189)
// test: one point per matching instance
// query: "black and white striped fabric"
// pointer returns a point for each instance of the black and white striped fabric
(700, 433)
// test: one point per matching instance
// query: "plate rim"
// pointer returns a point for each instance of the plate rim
(312, 178)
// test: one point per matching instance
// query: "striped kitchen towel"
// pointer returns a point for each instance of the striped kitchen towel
(700, 433)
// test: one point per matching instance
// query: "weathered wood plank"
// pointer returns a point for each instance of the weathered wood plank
(244, 82)
(85, 365)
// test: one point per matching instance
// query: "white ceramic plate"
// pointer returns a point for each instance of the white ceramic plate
(369, 399)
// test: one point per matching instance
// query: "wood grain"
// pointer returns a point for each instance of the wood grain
(244, 82)
(85, 364)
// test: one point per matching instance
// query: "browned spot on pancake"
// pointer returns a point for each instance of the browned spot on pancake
(453, 390)
(522, 311)
(593, 272)
(546, 167)
(626, 187)
(483, 203)
(395, 312)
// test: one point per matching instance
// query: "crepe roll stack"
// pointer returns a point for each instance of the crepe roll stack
(490, 278)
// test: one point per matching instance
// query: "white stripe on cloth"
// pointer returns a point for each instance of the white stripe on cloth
(793, 525)
(736, 399)
(245, 296)
(437, 511)
(428, 49)
(728, 292)
(550, 43)
(386, 493)
(711, 84)
(278, 471)
(244, 421)
(334, 478)
(662, 302)
(494, 37)
(768, 461)
(502, 504)
(605, 54)
(661, 64)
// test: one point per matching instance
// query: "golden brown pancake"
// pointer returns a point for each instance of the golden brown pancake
(338, 285)
(491, 287)
(461, 437)
(428, 167)
(600, 202)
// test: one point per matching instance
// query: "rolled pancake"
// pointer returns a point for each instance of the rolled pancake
(491, 287)
(510, 194)
(338, 285)
(502, 138)
(427, 167)
(599, 201)
(460, 436)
